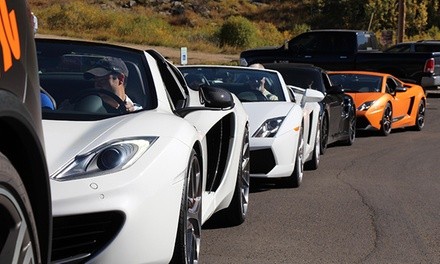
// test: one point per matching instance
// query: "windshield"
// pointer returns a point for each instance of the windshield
(357, 83)
(84, 81)
(249, 85)
(302, 77)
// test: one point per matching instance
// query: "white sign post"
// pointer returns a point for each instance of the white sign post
(183, 56)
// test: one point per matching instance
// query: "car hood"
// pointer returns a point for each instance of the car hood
(66, 139)
(259, 112)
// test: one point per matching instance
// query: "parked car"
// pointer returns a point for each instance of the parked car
(282, 136)
(341, 49)
(415, 46)
(25, 202)
(383, 101)
(136, 187)
(338, 111)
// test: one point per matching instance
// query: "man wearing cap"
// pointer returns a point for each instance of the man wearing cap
(111, 74)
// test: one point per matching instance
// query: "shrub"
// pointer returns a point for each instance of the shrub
(237, 31)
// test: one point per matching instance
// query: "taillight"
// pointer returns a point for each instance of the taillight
(429, 65)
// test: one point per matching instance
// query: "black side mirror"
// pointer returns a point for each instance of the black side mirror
(335, 89)
(215, 97)
(401, 89)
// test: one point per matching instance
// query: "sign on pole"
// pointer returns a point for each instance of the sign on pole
(183, 56)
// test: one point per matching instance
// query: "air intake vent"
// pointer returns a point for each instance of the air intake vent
(77, 237)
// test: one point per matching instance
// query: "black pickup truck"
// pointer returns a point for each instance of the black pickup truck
(337, 49)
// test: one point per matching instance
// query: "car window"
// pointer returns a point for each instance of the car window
(307, 78)
(399, 48)
(357, 83)
(244, 83)
(324, 42)
(427, 48)
(366, 42)
(62, 67)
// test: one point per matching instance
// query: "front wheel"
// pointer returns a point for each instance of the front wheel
(295, 179)
(237, 210)
(18, 237)
(314, 162)
(187, 247)
(351, 129)
(385, 128)
(420, 119)
(324, 134)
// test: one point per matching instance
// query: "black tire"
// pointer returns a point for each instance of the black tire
(420, 119)
(237, 210)
(385, 126)
(18, 237)
(187, 247)
(295, 180)
(351, 133)
(324, 133)
(314, 162)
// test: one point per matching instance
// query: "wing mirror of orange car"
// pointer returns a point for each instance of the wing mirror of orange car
(401, 89)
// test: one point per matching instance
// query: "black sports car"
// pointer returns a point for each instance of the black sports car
(338, 112)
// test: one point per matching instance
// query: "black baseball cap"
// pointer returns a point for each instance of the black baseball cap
(106, 66)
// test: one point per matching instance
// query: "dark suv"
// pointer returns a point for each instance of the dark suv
(25, 202)
(416, 46)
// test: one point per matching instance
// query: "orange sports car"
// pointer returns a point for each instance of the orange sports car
(383, 101)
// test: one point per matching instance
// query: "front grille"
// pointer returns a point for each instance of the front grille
(262, 161)
(76, 238)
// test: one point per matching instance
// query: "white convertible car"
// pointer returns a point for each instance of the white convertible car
(136, 186)
(283, 121)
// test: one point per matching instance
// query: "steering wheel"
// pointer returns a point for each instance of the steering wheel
(252, 96)
(88, 92)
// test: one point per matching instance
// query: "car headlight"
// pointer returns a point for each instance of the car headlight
(365, 106)
(269, 128)
(109, 157)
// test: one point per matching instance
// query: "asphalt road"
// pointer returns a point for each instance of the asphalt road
(377, 201)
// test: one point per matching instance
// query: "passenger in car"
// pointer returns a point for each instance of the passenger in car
(111, 74)
(260, 83)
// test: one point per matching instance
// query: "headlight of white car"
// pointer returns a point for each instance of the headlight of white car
(269, 128)
(109, 157)
(365, 106)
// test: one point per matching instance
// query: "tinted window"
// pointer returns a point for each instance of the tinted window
(357, 82)
(324, 42)
(399, 48)
(304, 78)
(427, 47)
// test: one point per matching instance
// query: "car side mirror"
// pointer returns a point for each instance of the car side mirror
(335, 89)
(215, 97)
(401, 89)
(313, 96)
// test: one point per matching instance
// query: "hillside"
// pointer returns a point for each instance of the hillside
(224, 26)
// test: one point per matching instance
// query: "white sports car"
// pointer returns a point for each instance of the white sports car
(136, 186)
(283, 121)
